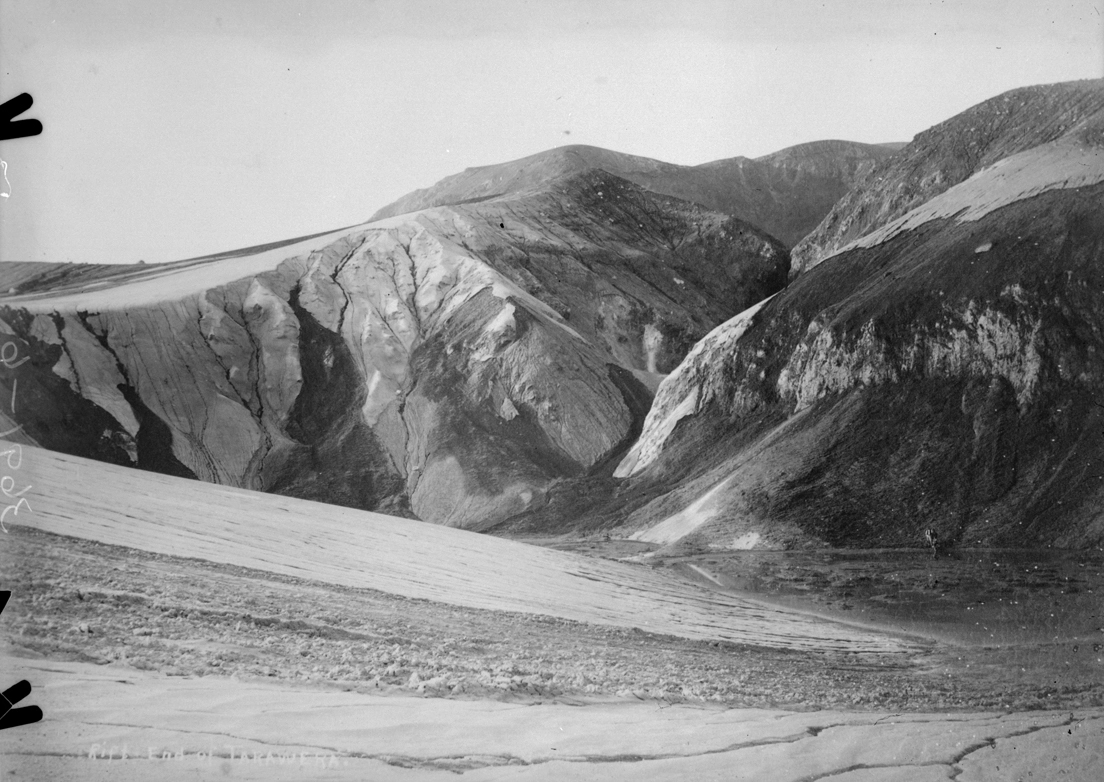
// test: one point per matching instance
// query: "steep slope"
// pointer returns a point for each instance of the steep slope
(943, 371)
(785, 193)
(949, 153)
(449, 364)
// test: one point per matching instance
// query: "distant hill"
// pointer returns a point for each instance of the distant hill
(785, 193)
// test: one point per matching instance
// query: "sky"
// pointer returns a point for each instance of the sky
(178, 129)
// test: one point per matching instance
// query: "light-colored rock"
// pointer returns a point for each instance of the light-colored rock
(974, 342)
(693, 382)
(436, 363)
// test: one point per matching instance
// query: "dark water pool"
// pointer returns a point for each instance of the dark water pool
(1008, 618)
(977, 597)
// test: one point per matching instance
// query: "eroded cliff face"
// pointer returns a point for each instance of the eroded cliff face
(450, 364)
(944, 373)
(951, 152)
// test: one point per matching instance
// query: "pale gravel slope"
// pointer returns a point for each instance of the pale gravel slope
(152, 512)
(171, 282)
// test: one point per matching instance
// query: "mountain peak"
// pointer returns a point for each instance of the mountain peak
(954, 150)
(785, 193)
(480, 183)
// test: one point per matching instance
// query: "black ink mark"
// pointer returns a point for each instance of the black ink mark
(10, 129)
(10, 717)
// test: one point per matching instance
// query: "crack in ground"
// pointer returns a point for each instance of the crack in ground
(330, 750)
(458, 763)
(953, 763)
(865, 766)
(462, 762)
(956, 769)
(338, 268)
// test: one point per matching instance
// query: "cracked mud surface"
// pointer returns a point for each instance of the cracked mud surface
(107, 723)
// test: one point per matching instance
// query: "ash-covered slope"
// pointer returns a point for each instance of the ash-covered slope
(449, 363)
(785, 193)
(949, 153)
(944, 371)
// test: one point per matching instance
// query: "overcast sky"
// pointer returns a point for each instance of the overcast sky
(177, 129)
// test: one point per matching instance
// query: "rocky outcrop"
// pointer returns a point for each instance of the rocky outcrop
(942, 371)
(450, 364)
(785, 193)
(950, 153)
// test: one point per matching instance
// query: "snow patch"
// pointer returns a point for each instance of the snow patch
(1063, 164)
(644, 451)
(498, 331)
(685, 521)
(746, 542)
(373, 382)
(679, 393)
(653, 341)
(502, 322)
(507, 410)
(173, 281)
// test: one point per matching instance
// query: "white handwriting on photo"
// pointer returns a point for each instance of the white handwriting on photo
(9, 358)
(256, 757)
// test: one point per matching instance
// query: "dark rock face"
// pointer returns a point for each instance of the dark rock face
(786, 193)
(948, 154)
(337, 457)
(940, 370)
(451, 364)
(944, 376)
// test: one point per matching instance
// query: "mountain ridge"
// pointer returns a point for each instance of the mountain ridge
(567, 349)
(949, 153)
(784, 193)
(941, 372)
(450, 364)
